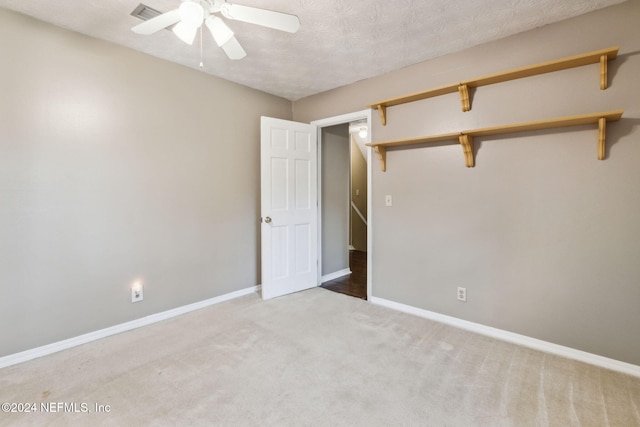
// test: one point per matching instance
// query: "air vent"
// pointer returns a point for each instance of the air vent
(145, 12)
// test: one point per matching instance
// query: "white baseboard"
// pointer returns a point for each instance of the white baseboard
(26, 355)
(335, 275)
(523, 340)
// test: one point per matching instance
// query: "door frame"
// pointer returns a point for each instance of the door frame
(338, 120)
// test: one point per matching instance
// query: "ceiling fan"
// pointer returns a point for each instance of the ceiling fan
(191, 14)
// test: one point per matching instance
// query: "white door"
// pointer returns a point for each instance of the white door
(289, 226)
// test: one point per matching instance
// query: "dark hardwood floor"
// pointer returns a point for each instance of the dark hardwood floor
(355, 284)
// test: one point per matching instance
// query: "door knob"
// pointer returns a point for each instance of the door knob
(267, 219)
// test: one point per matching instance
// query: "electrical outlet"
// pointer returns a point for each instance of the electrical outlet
(462, 294)
(137, 292)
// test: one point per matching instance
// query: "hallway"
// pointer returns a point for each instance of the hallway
(354, 284)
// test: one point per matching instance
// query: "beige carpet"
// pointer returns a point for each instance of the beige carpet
(314, 358)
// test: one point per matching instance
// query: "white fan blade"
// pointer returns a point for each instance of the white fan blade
(233, 49)
(157, 23)
(219, 30)
(266, 18)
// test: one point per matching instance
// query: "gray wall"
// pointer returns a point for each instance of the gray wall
(335, 198)
(358, 185)
(114, 166)
(545, 237)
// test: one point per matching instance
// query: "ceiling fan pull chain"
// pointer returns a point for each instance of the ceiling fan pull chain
(201, 62)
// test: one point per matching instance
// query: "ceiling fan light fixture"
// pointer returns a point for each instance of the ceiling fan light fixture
(219, 30)
(185, 32)
(191, 13)
(225, 9)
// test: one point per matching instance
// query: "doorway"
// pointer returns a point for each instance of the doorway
(344, 206)
(301, 195)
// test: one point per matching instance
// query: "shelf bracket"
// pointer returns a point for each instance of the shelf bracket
(602, 138)
(464, 97)
(603, 72)
(382, 109)
(467, 148)
(382, 155)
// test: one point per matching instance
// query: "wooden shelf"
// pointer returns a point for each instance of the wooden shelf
(465, 138)
(599, 56)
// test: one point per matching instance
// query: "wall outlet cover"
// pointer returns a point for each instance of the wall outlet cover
(462, 294)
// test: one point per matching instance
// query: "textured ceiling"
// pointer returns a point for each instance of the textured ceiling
(339, 41)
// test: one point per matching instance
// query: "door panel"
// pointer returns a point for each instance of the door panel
(279, 182)
(303, 181)
(303, 256)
